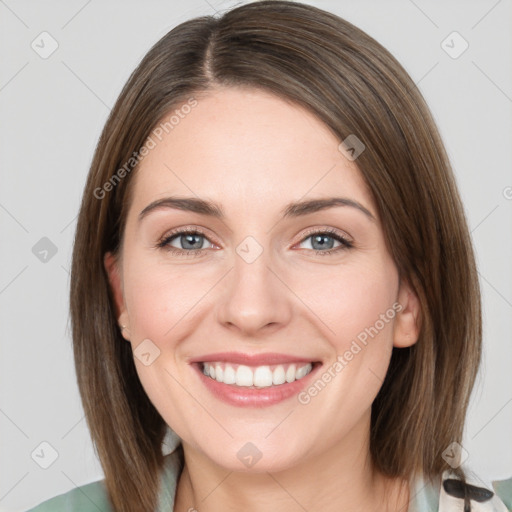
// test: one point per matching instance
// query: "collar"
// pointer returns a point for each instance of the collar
(446, 494)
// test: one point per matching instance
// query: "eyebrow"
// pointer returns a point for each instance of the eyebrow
(212, 209)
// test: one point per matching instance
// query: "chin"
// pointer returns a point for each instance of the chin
(257, 456)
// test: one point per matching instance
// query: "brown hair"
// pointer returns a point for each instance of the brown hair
(355, 86)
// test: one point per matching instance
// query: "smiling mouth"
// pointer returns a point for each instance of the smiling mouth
(256, 377)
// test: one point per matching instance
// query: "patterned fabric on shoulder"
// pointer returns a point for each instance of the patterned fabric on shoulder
(474, 496)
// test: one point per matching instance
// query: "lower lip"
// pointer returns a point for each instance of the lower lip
(249, 397)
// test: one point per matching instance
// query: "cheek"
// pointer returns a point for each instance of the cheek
(160, 298)
(358, 310)
(354, 302)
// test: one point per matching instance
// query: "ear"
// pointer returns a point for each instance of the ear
(112, 265)
(408, 319)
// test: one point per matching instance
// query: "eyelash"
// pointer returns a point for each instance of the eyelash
(331, 233)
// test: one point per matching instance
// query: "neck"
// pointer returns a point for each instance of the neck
(341, 478)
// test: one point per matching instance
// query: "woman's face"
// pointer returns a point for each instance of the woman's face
(297, 328)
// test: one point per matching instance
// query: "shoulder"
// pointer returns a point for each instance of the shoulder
(503, 488)
(447, 494)
(93, 497)
(88, 497)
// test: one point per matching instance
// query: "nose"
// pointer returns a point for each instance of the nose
(255, 300)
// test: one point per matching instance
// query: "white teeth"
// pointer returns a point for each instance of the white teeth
(263, 377)
(259, 377)
(301, 372)
(244, 376)
(229, 375)
(290, 373)
(278, 377)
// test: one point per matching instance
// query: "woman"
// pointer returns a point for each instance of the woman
(272, 261)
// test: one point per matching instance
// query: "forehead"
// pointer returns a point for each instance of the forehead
(246, 148)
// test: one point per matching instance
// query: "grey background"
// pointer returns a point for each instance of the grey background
(53, 111)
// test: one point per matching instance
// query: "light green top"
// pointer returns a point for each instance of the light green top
(424, 498)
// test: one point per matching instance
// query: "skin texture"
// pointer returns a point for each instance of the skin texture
(253, 153)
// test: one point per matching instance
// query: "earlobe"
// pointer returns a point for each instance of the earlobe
(408, 319)
(113, 272)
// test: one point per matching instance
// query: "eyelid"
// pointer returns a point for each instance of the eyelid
(190, 228)
(332, 231)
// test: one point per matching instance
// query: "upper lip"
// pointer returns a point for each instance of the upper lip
(268, 358)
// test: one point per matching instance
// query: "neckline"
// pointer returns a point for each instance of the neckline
(424, 495)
